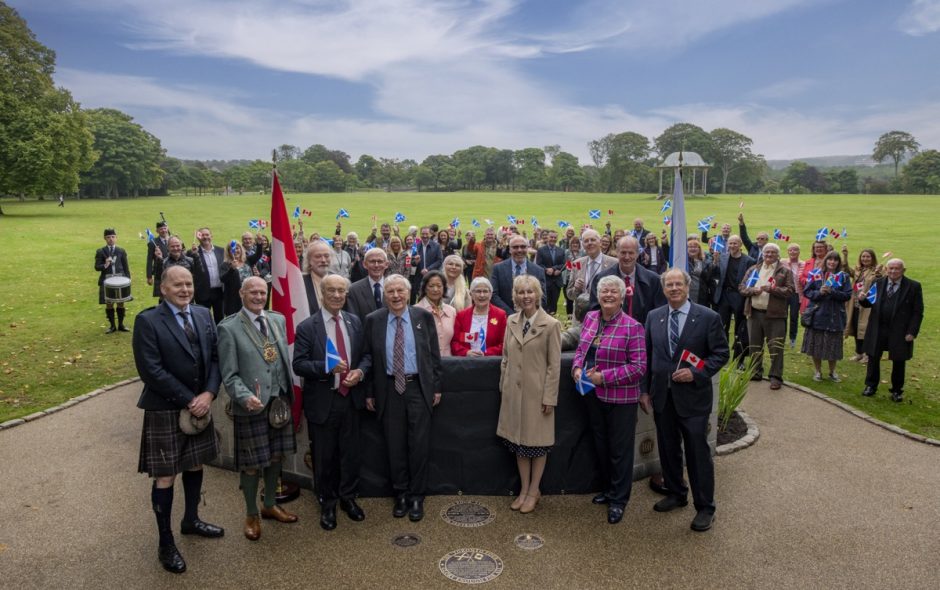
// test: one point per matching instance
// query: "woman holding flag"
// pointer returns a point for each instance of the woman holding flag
(863, 276)
(828, 290)
(479, 329)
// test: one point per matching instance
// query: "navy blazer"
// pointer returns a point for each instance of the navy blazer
(433, 259)
(703, 336)
(361, 300)
(545, 259)
(427, 350)
(907, 316)
(502, 284)
(201, 274)
(165, 361)
(312, 303)
(152, 245)
(734, 298)
(647, 292)
(310, 363)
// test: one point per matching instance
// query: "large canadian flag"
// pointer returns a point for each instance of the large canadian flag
(287, 282)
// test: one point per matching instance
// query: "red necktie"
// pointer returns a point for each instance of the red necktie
(341, 347)
(629, 295)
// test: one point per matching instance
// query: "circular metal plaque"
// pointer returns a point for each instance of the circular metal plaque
(406, 540)
(467, 513)
(529, 541)
(646, 447)
(471, 566)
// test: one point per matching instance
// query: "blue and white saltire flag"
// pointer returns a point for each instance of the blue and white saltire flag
(872, 295)
(254, 224)
(814, 274)
(844, 233)
(584, 385)
(474, 222)
(563, 224)
(150, 236)
(414, 249)
(296, 212)
(332, 355)
(719, 244)
(666, 206)
(594, 213)
(704, 225)
(535, 222)
(488, 221)
(370, 245)
(455, 223)
(678, 257)
(752, 279)
(834, 280)
(482, 337)
(511, 219)
(822, 234)
(710, 218)
(399, 217)
(342, 213)
(231, 246)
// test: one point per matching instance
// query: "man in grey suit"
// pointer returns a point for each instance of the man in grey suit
(365, 295)
(685, 347)
(405, 385)
(506, 271)
(585, 267)
(332, 400)
(255, 364)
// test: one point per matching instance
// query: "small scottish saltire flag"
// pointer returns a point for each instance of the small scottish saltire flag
(150, 236)
(844, 233)
(332, 355)
(342, 213)
(834, 280)
(709, 218)
(399, 217)
(704, 225)
(778, 235)
(370, 245)
(563, 224)
(474, 222)
(584, 385)
(511, 219)
(752, 279)
(719, 244)
(254, 224)
(594, 213)
(231, 246)
(822, 233)
(666, 206)
(296, 212)
(482, 337)
(872, 295)
(535, 222)
(488, 221)
(815, 274)
(414, 249)
(455, 223)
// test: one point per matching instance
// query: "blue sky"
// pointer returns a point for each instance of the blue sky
(408, 78)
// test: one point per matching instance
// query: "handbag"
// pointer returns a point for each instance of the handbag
(279, 414)
(806, 318)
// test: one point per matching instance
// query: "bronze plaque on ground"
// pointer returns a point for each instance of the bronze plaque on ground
(529, 541)
(471, 566)
(467, 513)
(406, 540)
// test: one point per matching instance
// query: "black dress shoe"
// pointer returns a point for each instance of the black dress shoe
(416, 511)
(600, 499)
(171, 560)
(868, 391)
(757, 377)
(203, 529)
(352, 510)
(897, 396)
(110, 330)
(401, 507)
(614, 514)
(122, 329)
(328, 518)
(702, 521)
(670, 502)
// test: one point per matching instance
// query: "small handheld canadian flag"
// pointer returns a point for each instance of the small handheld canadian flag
(692, 359)
(469, 336)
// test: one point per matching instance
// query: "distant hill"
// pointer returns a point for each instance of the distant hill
(861, 161)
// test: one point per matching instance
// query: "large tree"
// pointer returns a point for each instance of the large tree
(894, 145)
(685, 137)
(129, 157)
(922, 173)
(621, 161)
(731, 151)
(44, 137)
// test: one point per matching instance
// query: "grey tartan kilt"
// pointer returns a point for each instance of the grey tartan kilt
(257, 443)
(166, 450)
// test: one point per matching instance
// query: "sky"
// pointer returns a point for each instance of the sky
(232, 79)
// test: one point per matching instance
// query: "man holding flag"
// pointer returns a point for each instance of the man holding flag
(686, 346)
(160, 242)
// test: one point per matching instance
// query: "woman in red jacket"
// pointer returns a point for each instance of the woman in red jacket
(479, 329)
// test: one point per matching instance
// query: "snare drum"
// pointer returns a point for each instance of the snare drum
(117, 289)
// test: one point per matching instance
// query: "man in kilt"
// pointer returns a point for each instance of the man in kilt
(111, 260)
(176, 357)
(256, 371)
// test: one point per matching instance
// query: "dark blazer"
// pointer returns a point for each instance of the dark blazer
(830, 312)
(753, 250)
(310, 363)
(433, 259)
(165, 361)
(361, 300)
(502, 284)
(647, 292)
(426, 347)
(734, 297)
(201, 274)
(703, 336)
(101, 255)
(152, 245)
(311, 295)
(906, 319)
(545, 259)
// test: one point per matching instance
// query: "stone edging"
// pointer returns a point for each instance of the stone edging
(753, 433)
(66, 404)
(860, 414)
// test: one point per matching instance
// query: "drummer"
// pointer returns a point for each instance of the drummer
(111, 260)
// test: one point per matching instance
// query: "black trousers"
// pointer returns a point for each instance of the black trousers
(614, 429)
(334, 446)
(406, 422)
(793, 313)
(552, 292)
(215, 302)
(741, 338)
(873, 372)
(672, 433)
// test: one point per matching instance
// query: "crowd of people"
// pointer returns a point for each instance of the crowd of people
(383, 313)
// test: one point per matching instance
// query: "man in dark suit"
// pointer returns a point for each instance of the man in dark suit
(430, 252)
(753, 248)
(506, 271)
(177, 359)
(893, 325)
(689, 336)
(318, 263)
(643, 290)
(207, 262)
(111, 260)
(552, 258)
(161, 243)
(732, 266)
(365, 295)
(332, 400)
(405, 385)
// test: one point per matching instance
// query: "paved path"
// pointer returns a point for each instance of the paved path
(822, 500)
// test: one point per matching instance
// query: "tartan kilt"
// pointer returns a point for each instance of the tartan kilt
(257, 443)
(166, 450)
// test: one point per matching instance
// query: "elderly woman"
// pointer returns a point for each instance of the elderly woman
(340, 260)
(232, 273)
(456, 292)
(795, 265)
(572, 253)
(655, 257)
(432, 299)
(828, 293)
(529, 385)
(479, 329)
(865, 273)
(612, 355)
(704, 277)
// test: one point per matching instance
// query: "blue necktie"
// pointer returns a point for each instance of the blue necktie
(673, 331)
(518, 270)
(377, 293)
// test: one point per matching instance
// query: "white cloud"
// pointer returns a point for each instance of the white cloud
(921, 18)
(783, 89)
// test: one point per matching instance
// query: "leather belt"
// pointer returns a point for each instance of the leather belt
(408, 378)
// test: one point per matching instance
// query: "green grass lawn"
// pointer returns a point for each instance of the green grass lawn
(52, 341)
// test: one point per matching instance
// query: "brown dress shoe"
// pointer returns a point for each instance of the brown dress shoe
(278, 514)
(252, 528)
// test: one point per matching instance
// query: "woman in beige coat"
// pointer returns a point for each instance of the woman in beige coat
(529, 384)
